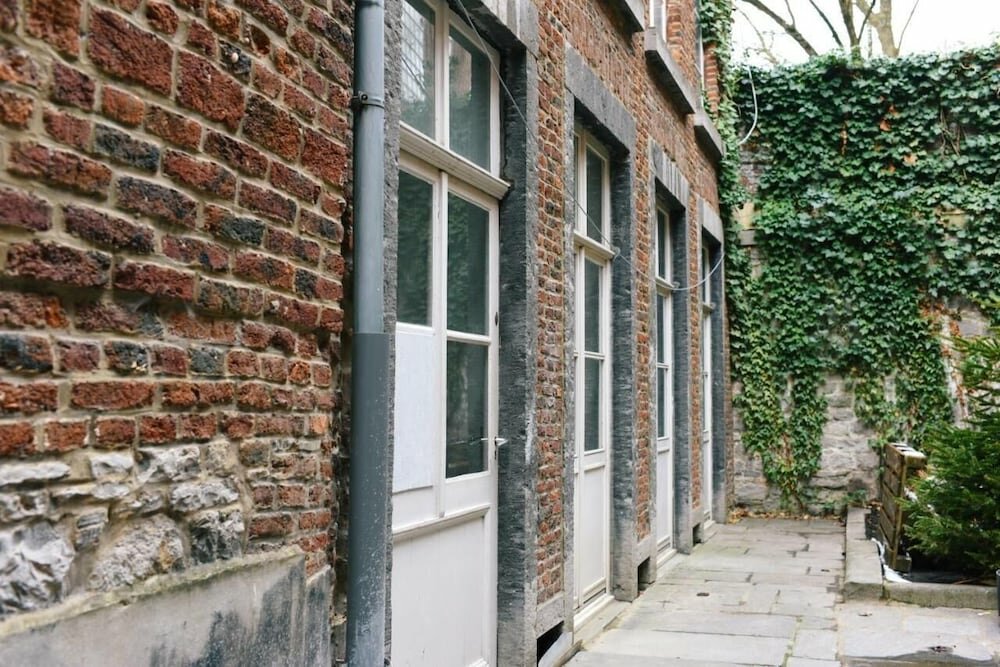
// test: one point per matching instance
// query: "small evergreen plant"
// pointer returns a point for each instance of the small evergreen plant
(956, 513)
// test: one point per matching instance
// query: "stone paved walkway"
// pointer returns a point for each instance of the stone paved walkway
(766, 592)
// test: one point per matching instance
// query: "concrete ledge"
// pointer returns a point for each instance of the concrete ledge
(942, 595)
(862, 565)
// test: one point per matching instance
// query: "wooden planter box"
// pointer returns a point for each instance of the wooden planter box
(900, 464)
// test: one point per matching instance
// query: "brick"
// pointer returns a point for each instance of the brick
(75, 356)
(291, 495)
(55, 21)
(25, 354)
(303, 42)
(17, 66)
(315, 520)
(324, 158)
(158, 429)
(20, 209)
(195, 252)
(193, 327)
(107, 231)
(15, 110)
(236, 426)
(175, 128)
(231, 299)
(271, 14)
(235, 61)
(225, 225)
(120, 48)
(156, 201)
(263, 495)
(242, 363)
(50, 261)
(236, 154)
(205, 176)
(197, 394)
(196, 427)
(334, 124)
(116, 318)
(202, 39)
(114, 432)
(307, 346)
(334, 264)
(67, 129)
(28, 398)
(155, 280)
(272, 128)
(299, 372)
(287, 64)
(123, 107)
(206, 360)
(253, 396)
(204, 88)
(266, 81)
(321, 375)
(271, 525)
(125, 149)
(65, 436)
(193, 6)
(124, 395)
(268, 203)
(291, 245)
(335, 35)
(332, 66)
(293, 311)
(17, 439)
(169, 360)
(8, 15)
(59, 168)
(271, 425)
(300, 103)
(321, 227)
(223, 18)
(264, 270)
(313, 286)
(259, 336)
(294, 183)
(318, 425)
(126, 357)
(162, 18)
(274, 369)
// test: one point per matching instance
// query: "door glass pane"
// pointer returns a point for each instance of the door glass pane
(591, 404)
(417, 92)
(661, 402)
(595, 197)
(466, 407)
(413, 268)
(592, 307)
(469, 100)
(468, 265)
(662, 245)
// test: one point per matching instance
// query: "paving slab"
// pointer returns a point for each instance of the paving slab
(740, 650)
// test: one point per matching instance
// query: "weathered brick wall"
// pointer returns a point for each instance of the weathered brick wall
(594, 29)
(172, 264)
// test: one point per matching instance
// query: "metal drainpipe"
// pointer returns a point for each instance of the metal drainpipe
(370, 381)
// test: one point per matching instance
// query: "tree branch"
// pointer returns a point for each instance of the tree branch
(822, 15)
(765, 46)
(789, 28)
(906, 25)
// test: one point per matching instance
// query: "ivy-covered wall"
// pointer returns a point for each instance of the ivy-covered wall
(871, 193)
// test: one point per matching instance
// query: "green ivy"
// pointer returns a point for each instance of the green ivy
(877, 205)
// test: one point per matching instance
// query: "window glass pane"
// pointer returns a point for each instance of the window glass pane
(413, 268)
(595, 197)
(469, 100)
(706, 285)
(466, 406)
(661, 333)
(468, 265)
(591, 404)
(661, 402)
(417, 94)
(662, 245)
(592, 307)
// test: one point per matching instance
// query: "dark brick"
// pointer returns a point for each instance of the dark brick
(205, 176)
(272, 128)
(175, 128)
(51, 261)
(236, 154)
(126, 357)
(324, 158)
(20, 209)
(227, 226)
(122, 49)
(15, 110)
(25, 354)
(235, 61)
(28, 398)
(162, 17)
(17, 66)
(155, 280)
(225, 298)
(195, 252)
(264, 270)
(209, 91)
(268, 203)
(77, 356)
(123, 107)
(291, 245)
(125, 149)
(59, 168)
(313, 286)
(55, 21)
(206, 360)
(105, 230)
(156, 201)
(67, 129)
(111, 395)
(321, 227)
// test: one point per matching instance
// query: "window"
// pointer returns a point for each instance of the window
(658, 17)
(448, 229)
(699, 45)
(664, 324)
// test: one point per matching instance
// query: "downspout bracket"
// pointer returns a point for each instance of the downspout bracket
(362, 99)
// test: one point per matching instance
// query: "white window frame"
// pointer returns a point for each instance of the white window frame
(664, 329)
(699, 45)
(658, 17)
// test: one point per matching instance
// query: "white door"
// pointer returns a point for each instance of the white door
(445, 472)
(706, 384)
(592, 462)
(664, 387)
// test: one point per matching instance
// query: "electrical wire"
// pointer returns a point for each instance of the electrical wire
(753, 90)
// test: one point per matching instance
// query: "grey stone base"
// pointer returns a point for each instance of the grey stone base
(259, 610)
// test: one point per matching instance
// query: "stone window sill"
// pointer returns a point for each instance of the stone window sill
(633, 13)
(668, 73)
(708, 136)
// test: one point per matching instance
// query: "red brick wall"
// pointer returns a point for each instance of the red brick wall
(172, 239)
(595, 32)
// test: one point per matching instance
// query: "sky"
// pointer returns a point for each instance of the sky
(937, 25)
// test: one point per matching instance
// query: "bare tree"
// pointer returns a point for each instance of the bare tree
(848, 22)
